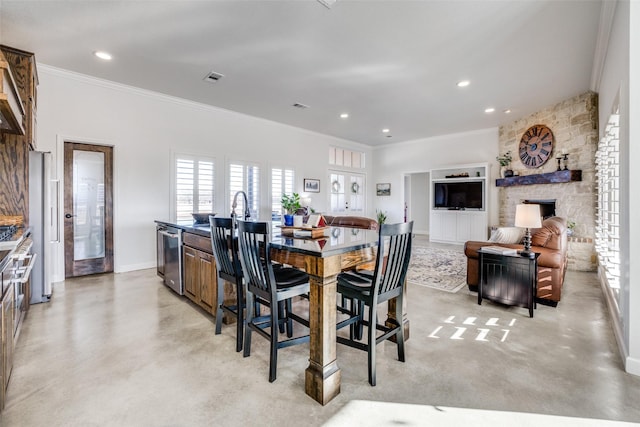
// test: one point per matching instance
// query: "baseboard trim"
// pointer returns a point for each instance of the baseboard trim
(132, 267)
(632, 366)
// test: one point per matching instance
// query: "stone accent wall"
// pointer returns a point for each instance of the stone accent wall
(574, 123)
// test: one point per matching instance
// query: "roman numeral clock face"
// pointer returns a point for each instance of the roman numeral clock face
(536, 146)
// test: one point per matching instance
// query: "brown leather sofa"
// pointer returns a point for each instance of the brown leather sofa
(351, 221)
(550, 241)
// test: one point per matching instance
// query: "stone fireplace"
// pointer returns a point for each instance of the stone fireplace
(574, 123)
(547, 207)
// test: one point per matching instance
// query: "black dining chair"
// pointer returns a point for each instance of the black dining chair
(271, 287)
(225, 251)
(371, 289)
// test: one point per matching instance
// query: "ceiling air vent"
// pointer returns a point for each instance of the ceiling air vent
(299, 105)
(213, 77)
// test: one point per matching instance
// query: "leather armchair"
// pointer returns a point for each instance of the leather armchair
(550, 241)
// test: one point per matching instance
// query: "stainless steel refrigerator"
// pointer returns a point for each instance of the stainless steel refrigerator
(42, 223)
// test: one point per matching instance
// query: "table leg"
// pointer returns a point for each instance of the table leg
(322, 377)
(391, 315)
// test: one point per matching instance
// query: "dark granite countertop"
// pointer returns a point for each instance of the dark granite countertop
(189, 226)
(337, 240)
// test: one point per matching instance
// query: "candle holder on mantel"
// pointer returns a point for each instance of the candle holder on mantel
(565, 157)
(559, 159)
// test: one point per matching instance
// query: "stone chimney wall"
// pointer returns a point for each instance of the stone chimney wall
(574, 124)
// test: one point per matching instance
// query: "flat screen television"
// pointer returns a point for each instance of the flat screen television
(458, 195)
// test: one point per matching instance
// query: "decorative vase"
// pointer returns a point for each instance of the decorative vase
(508, 173)
(288, 220)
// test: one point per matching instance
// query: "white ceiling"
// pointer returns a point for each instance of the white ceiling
(392, 64)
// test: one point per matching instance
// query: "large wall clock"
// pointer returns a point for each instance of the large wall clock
(536, 146)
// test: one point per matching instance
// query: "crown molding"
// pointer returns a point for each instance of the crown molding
(438, 138)
(108, 84)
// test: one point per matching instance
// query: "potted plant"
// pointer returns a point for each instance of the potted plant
(505, 163)
(571, 225)
(381, 216)
(290, 204)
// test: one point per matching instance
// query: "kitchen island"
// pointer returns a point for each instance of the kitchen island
(341, 248)
(198, 268)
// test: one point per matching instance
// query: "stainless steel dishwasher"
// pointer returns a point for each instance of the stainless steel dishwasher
(170, 257)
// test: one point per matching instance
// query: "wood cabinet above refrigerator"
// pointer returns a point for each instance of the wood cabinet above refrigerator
(14, 148)
(11, 109)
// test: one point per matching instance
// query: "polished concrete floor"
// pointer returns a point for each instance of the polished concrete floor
(123, 350)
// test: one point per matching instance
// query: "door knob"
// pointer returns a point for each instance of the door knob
(68, 216)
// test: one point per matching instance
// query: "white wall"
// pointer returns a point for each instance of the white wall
(620, 81)
(420, 196)
(392, 162)
(145, 129)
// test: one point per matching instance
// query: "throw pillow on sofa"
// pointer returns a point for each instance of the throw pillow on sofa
(508, 235)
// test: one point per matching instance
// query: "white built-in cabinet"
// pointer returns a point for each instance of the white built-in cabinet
(459, 225)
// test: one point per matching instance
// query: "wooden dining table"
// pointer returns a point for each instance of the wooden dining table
(323, 259)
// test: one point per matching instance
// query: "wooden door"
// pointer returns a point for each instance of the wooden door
(191, 274)
(88, 209)
(208, 282)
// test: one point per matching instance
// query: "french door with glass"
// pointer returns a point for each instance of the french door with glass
(88, 209)
(347, 193)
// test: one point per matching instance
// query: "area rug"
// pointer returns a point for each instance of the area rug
(442, 269)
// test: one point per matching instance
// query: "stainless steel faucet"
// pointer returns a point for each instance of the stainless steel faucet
(234, 205)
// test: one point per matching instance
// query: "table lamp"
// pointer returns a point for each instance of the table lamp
(528, 216)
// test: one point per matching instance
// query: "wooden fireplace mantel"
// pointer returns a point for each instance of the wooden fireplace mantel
(543, 178)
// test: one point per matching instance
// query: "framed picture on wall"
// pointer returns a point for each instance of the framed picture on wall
(312, 185)
(383, 189)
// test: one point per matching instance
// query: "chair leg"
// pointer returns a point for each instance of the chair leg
(371, 350)
(240, 316)
(281, 315)
(219, 302)
(289, 321)
(247, 329)
(353, 312)
(359, 324)
(273, 359)
(400, 334)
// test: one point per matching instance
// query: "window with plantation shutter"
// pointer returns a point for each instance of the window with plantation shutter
(194, 186)
(608, 212)
(245, 177)
(282, 181)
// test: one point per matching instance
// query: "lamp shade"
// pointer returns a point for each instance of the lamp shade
(528, 216)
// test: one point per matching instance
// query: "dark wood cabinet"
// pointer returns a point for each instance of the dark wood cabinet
(508, 279)
(14, 148)
(191, 272)
(199, 269)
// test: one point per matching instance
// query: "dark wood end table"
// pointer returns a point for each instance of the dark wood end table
(508, 279)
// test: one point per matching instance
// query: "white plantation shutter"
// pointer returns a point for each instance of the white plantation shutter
(245, 177)
(608, 212)
(282, 181)
(195, 186)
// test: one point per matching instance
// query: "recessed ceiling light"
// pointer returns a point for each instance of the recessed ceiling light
(385, 130)
(507, 111)
(344, 115)
(103, 55)
(463, 83)
(489, 110)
